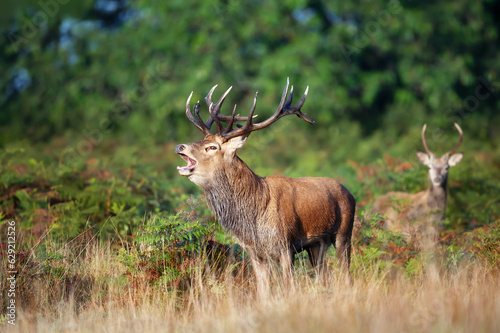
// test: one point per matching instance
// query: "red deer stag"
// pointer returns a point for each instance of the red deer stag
(428, 205)
(272, 217)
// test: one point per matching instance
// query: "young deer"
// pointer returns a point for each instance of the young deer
(272, 217)
(428, 205)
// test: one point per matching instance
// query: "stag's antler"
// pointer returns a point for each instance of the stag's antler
(424, 141)
(451, 151)
(284, 109)
(459, 142)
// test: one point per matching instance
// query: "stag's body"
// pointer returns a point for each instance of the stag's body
(272, 217)
(399, 207)
(424, 206)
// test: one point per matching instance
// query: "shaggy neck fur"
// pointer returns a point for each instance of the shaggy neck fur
(437, 199)
(236, 195)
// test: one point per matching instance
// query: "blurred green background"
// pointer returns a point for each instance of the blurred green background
(92, 98)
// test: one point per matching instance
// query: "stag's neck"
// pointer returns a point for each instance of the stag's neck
(238, 196)
(436, 199)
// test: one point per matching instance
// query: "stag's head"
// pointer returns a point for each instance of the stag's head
(218, 150)
(438, 167)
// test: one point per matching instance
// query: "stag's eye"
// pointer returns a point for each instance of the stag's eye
(210, 148)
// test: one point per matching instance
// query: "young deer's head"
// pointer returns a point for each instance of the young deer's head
(217, 152)
(438, 167)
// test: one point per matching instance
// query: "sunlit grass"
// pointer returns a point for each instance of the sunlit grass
(85, 286)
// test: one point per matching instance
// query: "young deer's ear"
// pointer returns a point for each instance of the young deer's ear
(236, 143)
(455, 159)
(423, 158)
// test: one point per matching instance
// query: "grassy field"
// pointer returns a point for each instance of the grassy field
(400, 285)
(85, 286)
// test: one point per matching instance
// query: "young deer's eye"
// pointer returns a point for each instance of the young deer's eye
(210, 148)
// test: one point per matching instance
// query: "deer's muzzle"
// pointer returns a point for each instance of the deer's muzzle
(191, 162)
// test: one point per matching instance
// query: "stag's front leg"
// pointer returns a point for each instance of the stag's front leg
(287, 259)
(261, 270)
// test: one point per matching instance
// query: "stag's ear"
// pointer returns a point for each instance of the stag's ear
(455, 159)
(236, 143)
(423, 158)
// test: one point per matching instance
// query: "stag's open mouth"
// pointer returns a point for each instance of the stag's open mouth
(186, 170)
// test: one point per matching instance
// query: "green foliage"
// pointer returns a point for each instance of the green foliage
(376, 71)
(486, 245)
(454, 256)
(109, 195)
(414, 267)
(173, 231)
(170, 249)
(377, 250)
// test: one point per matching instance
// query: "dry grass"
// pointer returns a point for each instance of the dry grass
(93, 293)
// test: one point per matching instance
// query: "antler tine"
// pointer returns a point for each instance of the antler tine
(249, 123)
(283, 96)
(222, 99)
(424, 141)
(231, 121)
(189, 115)
(208, 99)
(459, 142)
(208, 124)
(213, 110)
(290, 97)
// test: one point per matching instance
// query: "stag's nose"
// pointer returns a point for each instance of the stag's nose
(438, 180)
(179, 148)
